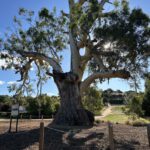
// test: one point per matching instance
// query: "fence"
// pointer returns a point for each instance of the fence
(129, 138)
(114, 136)
(113, 139)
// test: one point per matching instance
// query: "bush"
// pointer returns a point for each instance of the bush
(128, 122)
(48, 105)
(146, 99)
(97, 121)
(93, 100)
(139, 123)
(134, 107)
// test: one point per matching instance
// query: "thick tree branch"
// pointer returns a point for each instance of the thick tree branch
(75, 56)
(41, 57)
(112, 74)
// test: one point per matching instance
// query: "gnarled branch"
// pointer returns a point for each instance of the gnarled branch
(41, 57)
(112, 74)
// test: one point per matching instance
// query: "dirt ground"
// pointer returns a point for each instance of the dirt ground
(75, 138)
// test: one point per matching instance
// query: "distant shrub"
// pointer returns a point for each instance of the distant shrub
(139, 123)
(128, 122)
(134, 107)
(97, 121)
(92, 100)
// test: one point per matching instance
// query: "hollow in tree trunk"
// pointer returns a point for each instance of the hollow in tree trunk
(71, 111)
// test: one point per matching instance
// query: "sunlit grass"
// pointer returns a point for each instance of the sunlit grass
(118, 116)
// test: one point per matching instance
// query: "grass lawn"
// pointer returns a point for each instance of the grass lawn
(120, 118)
(117, 116)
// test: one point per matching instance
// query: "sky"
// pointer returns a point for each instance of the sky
(9, 8)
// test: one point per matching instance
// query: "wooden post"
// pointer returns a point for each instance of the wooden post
(17, 123)
(148, 133)
(21, 116)
(41, 140)
(111, 137)
(10, 123)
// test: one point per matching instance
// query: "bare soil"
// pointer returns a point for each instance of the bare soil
(73, 138)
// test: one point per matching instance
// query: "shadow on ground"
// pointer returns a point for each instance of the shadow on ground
(54, 140)
(76, 138)
(18, 141)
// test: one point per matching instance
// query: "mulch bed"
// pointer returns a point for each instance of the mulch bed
(74, 138)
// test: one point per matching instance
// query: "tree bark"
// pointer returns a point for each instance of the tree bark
(71, 111)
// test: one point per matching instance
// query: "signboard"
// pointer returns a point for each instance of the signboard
(15, 110)
(14, 113)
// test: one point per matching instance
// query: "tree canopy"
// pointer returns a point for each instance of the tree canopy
(146, 99)
(114, 43)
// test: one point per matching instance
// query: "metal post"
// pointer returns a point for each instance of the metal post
(111, 137)
(41, 140)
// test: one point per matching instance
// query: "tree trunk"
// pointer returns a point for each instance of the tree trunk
(71, 111)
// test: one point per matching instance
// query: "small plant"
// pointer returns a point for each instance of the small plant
(139, 123)
(134, 107)
(128, 122)
(97, 121)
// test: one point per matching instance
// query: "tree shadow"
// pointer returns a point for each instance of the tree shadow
(70, 141)
(125, 144)
(18, 141)
(53, 140)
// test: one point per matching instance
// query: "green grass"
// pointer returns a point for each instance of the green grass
(117, 116)
(117, 109)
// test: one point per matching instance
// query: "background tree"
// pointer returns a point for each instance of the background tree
(114, 43)
(92, 100)
(134, 105)
(49, 105)
(146, 99)
(5, 103)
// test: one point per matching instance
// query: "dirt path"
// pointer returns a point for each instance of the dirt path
(105, 113)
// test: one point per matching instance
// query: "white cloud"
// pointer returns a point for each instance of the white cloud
(11, 82)
(3, 63)
(51, 94)
(2, 82)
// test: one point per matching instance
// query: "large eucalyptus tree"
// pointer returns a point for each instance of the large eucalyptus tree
(113, 43)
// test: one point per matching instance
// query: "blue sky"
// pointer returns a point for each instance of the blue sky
(9, 8)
